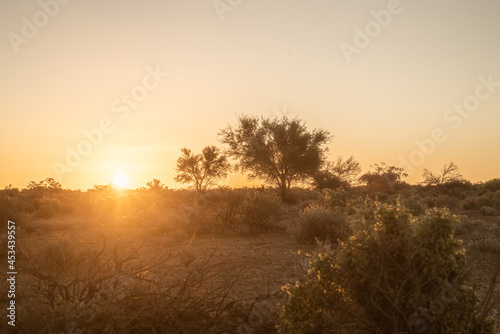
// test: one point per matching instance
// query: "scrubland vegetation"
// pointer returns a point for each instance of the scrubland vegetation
(317, 249)
(156, 260)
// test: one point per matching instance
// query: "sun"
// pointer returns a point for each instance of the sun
(121, 180)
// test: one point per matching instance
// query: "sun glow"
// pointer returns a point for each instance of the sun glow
(121, 180)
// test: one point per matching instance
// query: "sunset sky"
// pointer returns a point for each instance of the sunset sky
(130, 83)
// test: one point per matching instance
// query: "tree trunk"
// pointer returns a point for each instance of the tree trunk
(284, 190)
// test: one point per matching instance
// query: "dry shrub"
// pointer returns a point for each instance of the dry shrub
(489, 199)
(491, 185)
(227, 211)
(488, 211)
(299, 195)
(47, 207)
(320, 223)
(115, 290)
(441, 201)
(43, 226)
(400, 274)
(335, 198)
(470, 203)
(57, 254)
(414, 205)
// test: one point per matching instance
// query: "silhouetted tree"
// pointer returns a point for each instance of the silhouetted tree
(341, 173)
(155, 185)
(201, 170)
(47, 184)
(277, 150)
(449, 173)
(384, 178)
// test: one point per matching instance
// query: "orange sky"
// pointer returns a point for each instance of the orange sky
(129, 83)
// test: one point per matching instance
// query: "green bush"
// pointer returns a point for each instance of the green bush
(319, 302)
(414, 205)
(335, 198)
(362, 208)
(317, 222)
(400, 274)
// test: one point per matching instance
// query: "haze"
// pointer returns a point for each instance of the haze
(198, 64)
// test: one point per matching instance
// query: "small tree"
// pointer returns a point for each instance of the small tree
(47, 184)
(155, 185)
(277, 150)
(449, 173)
(341, 173)
(384, 178)
(201, 170)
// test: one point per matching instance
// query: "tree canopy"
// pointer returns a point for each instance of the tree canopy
(341, 173)
(277, 150)
(201, 170)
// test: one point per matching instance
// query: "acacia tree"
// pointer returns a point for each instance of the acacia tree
(201, 170)
(277, 150)
(341, 173)
(449, 173)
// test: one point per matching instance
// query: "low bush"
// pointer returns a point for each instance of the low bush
(414, 205)
(317, 222)
(489, 199)
(470, 203)
(226, 211)
(47, 208)
(400, 274)
(260, 212)
(441, 201)
(490, 185)
(488, 211)
(299, 195)
(335, 198)
(363, 209)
